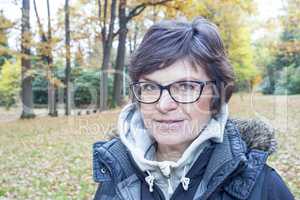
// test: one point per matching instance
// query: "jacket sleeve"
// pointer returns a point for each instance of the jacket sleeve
(105, 191)
(276, 188)
(102, 175)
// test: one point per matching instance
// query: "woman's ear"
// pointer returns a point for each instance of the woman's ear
(215, 102)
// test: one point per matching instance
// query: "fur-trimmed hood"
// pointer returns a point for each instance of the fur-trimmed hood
(257, 134)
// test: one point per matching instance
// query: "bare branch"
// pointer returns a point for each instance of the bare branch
(99, 12)
(42, 33)
(105, 13)
(49, 52)
(49, 21)
(116, 33)
(112, 18)
(140, 8)
(103, 28)
(136, 11)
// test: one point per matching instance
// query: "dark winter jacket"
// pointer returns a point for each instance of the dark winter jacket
(233, 169)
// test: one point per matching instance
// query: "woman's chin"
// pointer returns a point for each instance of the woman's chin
(168, 141)
(170, 138)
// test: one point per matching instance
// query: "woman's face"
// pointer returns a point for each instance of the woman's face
(171, 123)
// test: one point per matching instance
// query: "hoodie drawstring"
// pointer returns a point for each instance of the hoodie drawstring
(166, 171)
(184, 180)
(170, 189)
(150, 181)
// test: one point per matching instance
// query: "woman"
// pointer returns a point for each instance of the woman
(176, 140)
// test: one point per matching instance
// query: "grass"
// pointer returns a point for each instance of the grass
(50, 158)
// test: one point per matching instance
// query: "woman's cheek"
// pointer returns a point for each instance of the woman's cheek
(200, 114)
(146, 120)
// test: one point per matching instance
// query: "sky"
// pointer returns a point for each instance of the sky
(269, 8)
(13, 11)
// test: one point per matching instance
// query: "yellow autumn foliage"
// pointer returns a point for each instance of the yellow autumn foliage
(10, 81)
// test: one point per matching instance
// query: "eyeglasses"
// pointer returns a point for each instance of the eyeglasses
(180, 91)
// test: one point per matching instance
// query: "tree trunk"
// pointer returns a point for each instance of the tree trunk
(271, 79)
(47, 59)
(26, 93)
(120, 62)
(51, 86)
(135, 37)
(68, 62)
(107, 39)
(104, 80)
(132, 39)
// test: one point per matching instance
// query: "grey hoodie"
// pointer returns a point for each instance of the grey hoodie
(166, 174)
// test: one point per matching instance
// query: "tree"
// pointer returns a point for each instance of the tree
(288, 47)
(10, 83)
(228, 15)
(5, 25)
(101, 31)
(122, 34)
(281, 74)
(46, 56)
(107, 40)
(79, 60)
(120, 60)
(26, 93)
(10, 70)
(68, 61)
(133, 36)
(231, 18)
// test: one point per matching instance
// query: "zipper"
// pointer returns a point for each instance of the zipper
(159, 192)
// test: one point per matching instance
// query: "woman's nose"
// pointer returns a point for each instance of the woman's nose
(166, 103)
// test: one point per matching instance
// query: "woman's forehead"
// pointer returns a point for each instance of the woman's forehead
(179, 70)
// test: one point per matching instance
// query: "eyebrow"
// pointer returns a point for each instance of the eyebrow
(181, 79)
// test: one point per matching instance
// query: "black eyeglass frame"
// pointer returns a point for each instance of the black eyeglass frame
(167, 87)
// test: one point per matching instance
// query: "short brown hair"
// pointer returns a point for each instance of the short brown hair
(199, 41)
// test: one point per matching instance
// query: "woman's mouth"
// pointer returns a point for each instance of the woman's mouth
(169, 121)
(166, 125)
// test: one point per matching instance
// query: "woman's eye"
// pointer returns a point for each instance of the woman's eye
(186, 86)
(149, 87)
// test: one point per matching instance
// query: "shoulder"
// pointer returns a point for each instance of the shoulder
(104, 159)
(260, 141)
(110, 161)
(275, 186)
(105, 144)
(258, 181)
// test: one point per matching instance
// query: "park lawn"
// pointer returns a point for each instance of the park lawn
(50, 158)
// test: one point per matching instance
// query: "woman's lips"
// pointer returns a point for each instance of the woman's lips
(167, 125)
(169, 121)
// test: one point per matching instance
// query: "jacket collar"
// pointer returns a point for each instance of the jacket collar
(243, 184)
(230, 158)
